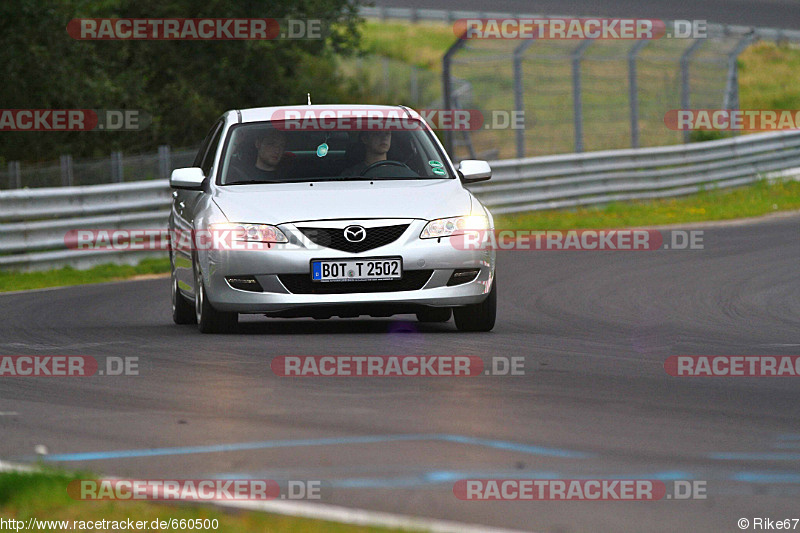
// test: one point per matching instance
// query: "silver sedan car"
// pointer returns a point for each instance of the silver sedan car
(322, 211)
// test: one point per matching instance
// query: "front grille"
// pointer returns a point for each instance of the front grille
(302, 284)
(334, 237)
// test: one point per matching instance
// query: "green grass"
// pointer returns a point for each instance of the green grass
(422, 44)
(17, 281)
(758, 199)
(768, 77)
(44, 496)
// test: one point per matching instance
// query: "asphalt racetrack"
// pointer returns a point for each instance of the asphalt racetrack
(594, 328)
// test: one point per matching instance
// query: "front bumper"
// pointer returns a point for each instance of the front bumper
(436, 255)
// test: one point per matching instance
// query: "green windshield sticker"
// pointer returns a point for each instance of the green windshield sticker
(435, 163)
(439, 171)
(322, 150)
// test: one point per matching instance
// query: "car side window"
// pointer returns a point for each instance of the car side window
(208, 160)
(205, 155)
(198, 159)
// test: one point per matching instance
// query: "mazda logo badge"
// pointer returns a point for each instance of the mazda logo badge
(355, 233)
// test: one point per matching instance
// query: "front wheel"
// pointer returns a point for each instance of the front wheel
(182, 309)
(478, 317)
(209, 320)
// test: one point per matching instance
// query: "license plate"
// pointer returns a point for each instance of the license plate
(373, 269)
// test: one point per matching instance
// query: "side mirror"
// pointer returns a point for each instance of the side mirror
(473, 170)
(187, 178)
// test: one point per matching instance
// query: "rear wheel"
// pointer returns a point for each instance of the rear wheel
(478, 317)
(435, 314)
(209, 320)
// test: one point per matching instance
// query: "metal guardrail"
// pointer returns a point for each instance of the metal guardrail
(34, 222)
(572, 180)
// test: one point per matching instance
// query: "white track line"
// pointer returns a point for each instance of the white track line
(13, 467)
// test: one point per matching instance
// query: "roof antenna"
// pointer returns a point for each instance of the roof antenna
(309, 98)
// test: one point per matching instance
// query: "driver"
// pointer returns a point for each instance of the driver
(270, 145)
(270, 163)
(376, 146)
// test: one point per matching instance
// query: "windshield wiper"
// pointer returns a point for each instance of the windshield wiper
(250, 182)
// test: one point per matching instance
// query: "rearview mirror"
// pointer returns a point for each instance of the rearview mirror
(187, 178)
(473, 170)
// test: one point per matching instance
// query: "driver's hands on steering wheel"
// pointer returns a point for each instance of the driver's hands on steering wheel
(385, 163)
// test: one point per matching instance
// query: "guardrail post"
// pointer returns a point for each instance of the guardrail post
(67, 178)
(685, 87)
(519, 93)
(116, 167)
(633, 88)
(732, 83)
(14, 175)
(577, 103)
(447, 87)
(164, 161)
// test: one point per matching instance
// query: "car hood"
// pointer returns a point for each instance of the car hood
(281, 203)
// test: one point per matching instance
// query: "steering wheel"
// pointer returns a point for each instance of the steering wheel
(386, 163)
(238, 174)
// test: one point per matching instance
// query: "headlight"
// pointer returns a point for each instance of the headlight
(252, 232)
(445, 227)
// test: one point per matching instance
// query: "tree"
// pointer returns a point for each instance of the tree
(183, 85)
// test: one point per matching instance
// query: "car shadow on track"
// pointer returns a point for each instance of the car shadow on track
(279, 326)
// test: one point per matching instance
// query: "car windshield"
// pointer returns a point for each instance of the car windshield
(273, 152)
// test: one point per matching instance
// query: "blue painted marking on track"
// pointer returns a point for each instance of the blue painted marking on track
(755, 456)
(515, 447)
(440, 477)
(367, 439)
(767, 477)
(787, 445)
(667, 475)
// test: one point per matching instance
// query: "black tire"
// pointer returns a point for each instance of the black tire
(209, 320)
(478, 317)
(435, 314)
(182, 309)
